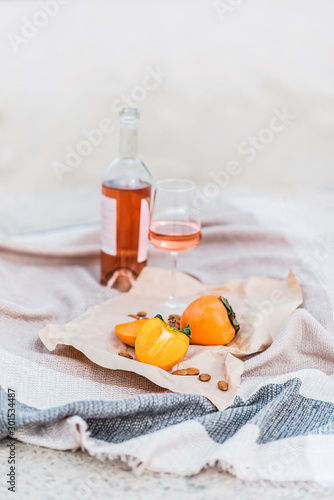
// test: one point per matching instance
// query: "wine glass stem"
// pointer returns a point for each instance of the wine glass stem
(172, 296)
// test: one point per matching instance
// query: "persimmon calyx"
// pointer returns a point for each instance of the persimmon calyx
(231, 314)
(185, 330)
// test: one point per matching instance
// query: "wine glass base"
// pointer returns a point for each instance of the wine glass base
(172, 306)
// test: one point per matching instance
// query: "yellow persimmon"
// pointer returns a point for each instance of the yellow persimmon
(211, 319)
(127, 332)
(161, 345)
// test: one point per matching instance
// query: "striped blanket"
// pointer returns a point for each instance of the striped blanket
(281, 424)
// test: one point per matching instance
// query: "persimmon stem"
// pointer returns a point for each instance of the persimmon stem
(186, 330)
(231, 314)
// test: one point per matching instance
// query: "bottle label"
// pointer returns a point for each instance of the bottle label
(108, 225)
(143, 231)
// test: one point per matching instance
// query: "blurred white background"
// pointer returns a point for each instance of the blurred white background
(225, 67)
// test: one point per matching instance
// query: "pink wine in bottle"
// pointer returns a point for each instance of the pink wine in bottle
(126, 192)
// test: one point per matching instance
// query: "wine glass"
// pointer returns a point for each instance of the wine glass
(174, 224)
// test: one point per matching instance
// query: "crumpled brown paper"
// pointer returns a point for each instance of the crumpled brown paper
(261, 305)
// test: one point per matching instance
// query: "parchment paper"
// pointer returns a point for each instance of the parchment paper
(261, 305)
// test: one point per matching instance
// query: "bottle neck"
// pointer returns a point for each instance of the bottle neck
(128, 142)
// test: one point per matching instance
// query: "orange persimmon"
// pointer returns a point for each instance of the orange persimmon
(211, 319)
(127, 332)
(161, 345)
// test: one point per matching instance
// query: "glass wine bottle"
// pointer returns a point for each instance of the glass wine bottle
(126, 192)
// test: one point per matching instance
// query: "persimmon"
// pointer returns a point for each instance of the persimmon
(161, 345)
(211, 319)
(127, 332)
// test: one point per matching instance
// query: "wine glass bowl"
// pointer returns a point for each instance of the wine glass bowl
(174, 222)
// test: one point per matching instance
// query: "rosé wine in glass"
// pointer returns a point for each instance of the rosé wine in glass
(174, 236)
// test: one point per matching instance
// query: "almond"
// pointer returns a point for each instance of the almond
(125, 355)
(174, 322)
(142, 314)
(222, 385)
(192, 371)
(180, 372)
